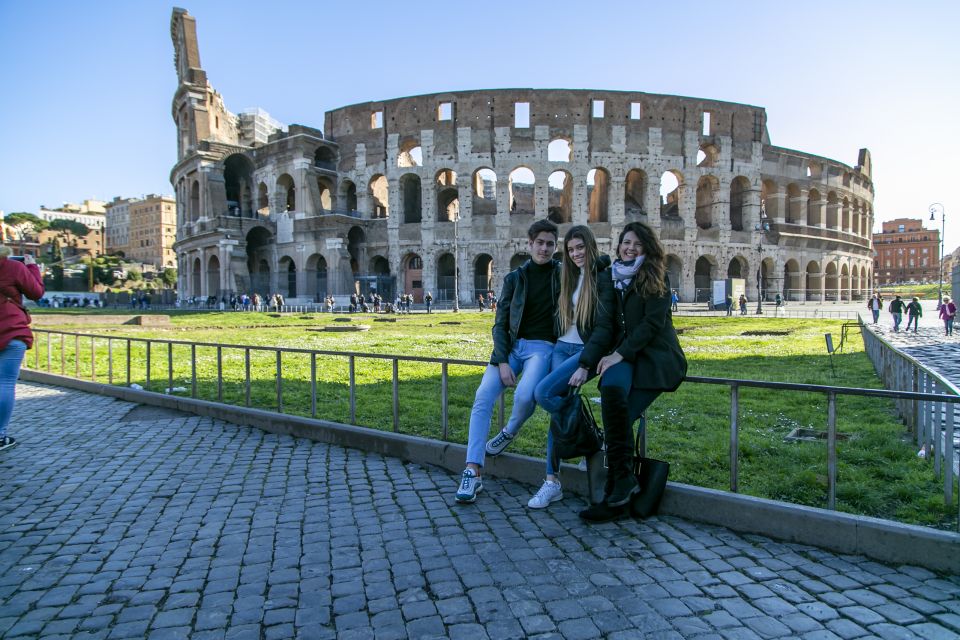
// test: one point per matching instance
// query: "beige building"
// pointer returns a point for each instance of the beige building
(118, 225)
(152, 231)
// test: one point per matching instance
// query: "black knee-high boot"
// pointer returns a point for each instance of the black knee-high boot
(618, 433)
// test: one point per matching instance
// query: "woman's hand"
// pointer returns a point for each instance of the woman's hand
(578, 378)
(608, 361)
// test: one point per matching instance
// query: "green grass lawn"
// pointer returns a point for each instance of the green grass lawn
(879, 473)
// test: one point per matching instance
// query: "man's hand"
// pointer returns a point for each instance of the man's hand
(608, 361)
(506, 375)
(578, 378)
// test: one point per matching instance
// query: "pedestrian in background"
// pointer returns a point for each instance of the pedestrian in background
(875, 304)
(743, 305)
(948, 310)
(914, 313)
(17, 279)
(896, 311)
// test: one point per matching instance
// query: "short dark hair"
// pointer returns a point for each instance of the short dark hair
(540, 226)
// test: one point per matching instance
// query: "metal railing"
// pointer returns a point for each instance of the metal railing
(922, 401)
(932, 424)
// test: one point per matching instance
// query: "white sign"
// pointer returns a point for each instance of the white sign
(334, 243)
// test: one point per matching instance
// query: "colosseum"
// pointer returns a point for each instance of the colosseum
(399, 195)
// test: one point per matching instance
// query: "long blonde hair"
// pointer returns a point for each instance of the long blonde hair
(650, 281)
(582, 315)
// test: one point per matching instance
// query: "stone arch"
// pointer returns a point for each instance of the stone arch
(814, 208)
(707, 189)
(846, 283)
(287, 189)
(263, 200)
(259, 241)
(238, 182)
(831, 283)
(213, 276)
(598, 194)
(379, 265)
(325, 158)
(518, 259)
(521, 185)
(739, 188)
(484, 192)
(864, 287)
(791, 280)
(560, 198)
(413, 275)
(316, 277)
(559, 150)
(195, 202)
(356, 245)
(769, 199)
(348, 195)
(410, 198)
(325, 193)
(635, 194)
(738, 267)
(845, 214)
(197, 268)
(708, 155)
(411, 155)
(793, 210)
(704, 273)
(675, 271)
(447, 197)
(446, 269)
(379, 199)
(833, 203)
(482, 274)
(813, 278)
(671, 187)
(767, 269)
(287, 281)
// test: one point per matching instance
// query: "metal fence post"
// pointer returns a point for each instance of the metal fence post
(147, 382)
(246, 375)
(396, 396)
(831, 450)
(170, 368)
(313, 385)
(193, 371)
(734, 436)
(219, 373)
(279, 382)
(353, 390)
(444, 390)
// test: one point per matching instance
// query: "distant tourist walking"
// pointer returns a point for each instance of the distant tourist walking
(17, 279)
(674, 300)
(743, 305)
(896, 311)
(875, 304)
(428, 299)
(914, 313)
(948, 310)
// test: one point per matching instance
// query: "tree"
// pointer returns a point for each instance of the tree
(169, 277)
(70, 227)
(134, 274)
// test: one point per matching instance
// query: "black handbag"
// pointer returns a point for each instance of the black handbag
(651, 476)
(575, 431)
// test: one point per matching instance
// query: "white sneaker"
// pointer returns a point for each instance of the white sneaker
(550, 492)
(470, 485)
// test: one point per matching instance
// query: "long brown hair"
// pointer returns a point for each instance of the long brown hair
(650, 281)
(582, 315)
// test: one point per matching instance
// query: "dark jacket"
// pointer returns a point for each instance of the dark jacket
(649, 340)
(506, 325)
(897, 306)
(914, 309)
(598, 340)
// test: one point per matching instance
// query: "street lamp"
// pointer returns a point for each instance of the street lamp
(456, 263)
(761, 228)
(936, 206)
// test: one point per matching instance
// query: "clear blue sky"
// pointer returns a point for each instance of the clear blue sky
(87, 86)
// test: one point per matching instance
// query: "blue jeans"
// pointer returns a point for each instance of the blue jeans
(553, 389)
(913, 320)
(876, 315)
(621, 375)
(532, 359)
(10, 359)
(897, 319)
(948, 326)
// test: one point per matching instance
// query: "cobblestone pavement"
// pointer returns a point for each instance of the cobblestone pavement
(119, 521)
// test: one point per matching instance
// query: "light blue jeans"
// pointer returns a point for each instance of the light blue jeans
(10, 359)
(532, 359)
(553, 389)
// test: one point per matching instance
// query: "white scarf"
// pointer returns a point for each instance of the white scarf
(624, 272)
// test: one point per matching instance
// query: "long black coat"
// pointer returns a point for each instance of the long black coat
(649, 340)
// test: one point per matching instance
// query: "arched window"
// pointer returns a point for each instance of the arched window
(598, 189)
(484, 192)
(288, 192)
(670, 182)
(707, 188)
(739, 188)
(559, 150)
(411, 155)
(410, 197)
(521, 191)
(634, 195)
(560, 198)
(378, 197)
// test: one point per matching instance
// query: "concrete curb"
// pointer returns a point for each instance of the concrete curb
(882, 540)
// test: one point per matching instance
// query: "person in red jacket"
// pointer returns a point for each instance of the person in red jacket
(17, 279)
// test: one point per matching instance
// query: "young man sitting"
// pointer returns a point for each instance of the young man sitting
(523, 335)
